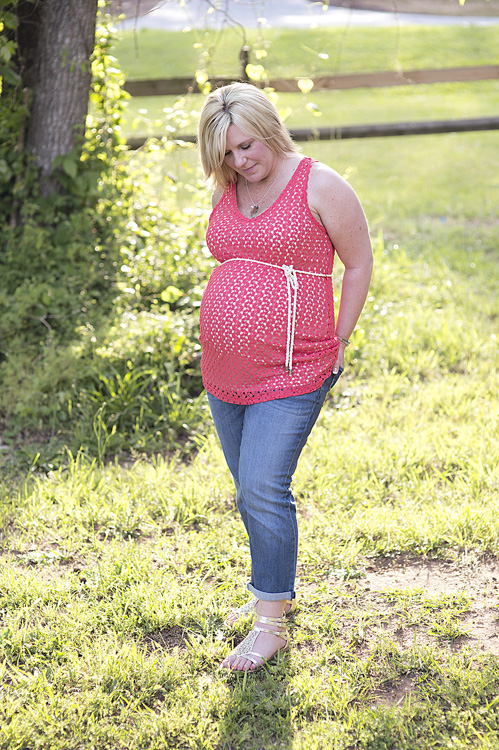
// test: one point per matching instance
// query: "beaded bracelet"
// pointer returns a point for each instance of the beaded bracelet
(343, 341)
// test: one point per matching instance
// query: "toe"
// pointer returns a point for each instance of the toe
(232, 662)
(244, 665)
(229, 662)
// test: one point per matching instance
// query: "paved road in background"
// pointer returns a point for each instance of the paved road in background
(282, 13)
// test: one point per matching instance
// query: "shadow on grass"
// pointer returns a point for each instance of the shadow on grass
(258, 713)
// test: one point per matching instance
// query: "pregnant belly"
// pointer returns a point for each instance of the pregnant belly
(243, 309)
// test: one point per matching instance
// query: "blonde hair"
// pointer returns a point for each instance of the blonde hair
(244, 105)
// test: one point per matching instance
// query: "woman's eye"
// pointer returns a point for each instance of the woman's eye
(245, 148)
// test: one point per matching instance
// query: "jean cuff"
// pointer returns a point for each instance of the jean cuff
(266, 597)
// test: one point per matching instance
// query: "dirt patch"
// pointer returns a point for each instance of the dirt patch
(167, 639)
(411, 602)
(395, 695)
(47, 557)
(476, 578)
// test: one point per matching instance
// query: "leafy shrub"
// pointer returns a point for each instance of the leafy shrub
(130, 381)
(101, 282)
(59, 252)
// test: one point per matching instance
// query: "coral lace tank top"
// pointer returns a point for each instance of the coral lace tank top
(267, 314)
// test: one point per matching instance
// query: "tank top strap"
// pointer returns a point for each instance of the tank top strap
(299, 181)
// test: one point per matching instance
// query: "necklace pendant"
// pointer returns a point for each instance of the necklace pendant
(254, 210)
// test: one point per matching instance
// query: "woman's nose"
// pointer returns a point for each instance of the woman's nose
(239, 159)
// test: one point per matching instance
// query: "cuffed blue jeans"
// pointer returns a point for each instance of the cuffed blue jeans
(262, 444)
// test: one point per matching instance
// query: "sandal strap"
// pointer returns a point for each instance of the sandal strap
(281, 621)
(246, 609)
(250, 656)
(280, 633)
(249, 608)
(246, 645)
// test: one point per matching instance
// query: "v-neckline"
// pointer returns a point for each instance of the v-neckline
(277, 200)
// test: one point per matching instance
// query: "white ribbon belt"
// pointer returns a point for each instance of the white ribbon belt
(292, 285)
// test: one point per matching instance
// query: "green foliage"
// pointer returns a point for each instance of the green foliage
(143, 387)
(130, 381)
(98, 340)
(16, 167)
(59, 251)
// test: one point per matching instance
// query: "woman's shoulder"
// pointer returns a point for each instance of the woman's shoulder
(332, 198)
(325, 180)
(323, 175)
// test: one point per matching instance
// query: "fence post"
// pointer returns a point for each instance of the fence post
(244, 60)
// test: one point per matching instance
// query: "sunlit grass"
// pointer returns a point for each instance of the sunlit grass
(153, 53)
(115, 580)
(147, 115)
(420, 190)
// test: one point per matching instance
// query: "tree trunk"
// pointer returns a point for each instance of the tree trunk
(56, 39)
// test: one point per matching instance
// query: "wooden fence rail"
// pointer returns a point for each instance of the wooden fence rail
(179, 86)
(380, 130)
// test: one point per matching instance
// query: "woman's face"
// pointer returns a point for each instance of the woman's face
(248, 156)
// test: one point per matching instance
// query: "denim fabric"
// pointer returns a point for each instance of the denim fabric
(262, 444)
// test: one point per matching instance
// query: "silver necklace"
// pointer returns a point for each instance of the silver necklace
(255, 207)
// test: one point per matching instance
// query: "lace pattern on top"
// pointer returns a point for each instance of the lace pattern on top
(255, 326)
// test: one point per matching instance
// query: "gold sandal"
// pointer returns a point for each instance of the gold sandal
(244, 649)
(250, 609)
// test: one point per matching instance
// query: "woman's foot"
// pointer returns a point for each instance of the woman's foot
(268, 637)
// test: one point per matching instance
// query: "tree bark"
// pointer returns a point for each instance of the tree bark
(56, 39)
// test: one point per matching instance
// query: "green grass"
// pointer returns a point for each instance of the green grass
(441, 184)
(148, 115)
(115, 579)
(160, 54)
(417, 189)
(156, 54)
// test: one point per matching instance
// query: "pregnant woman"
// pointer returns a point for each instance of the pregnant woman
(271, 346)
